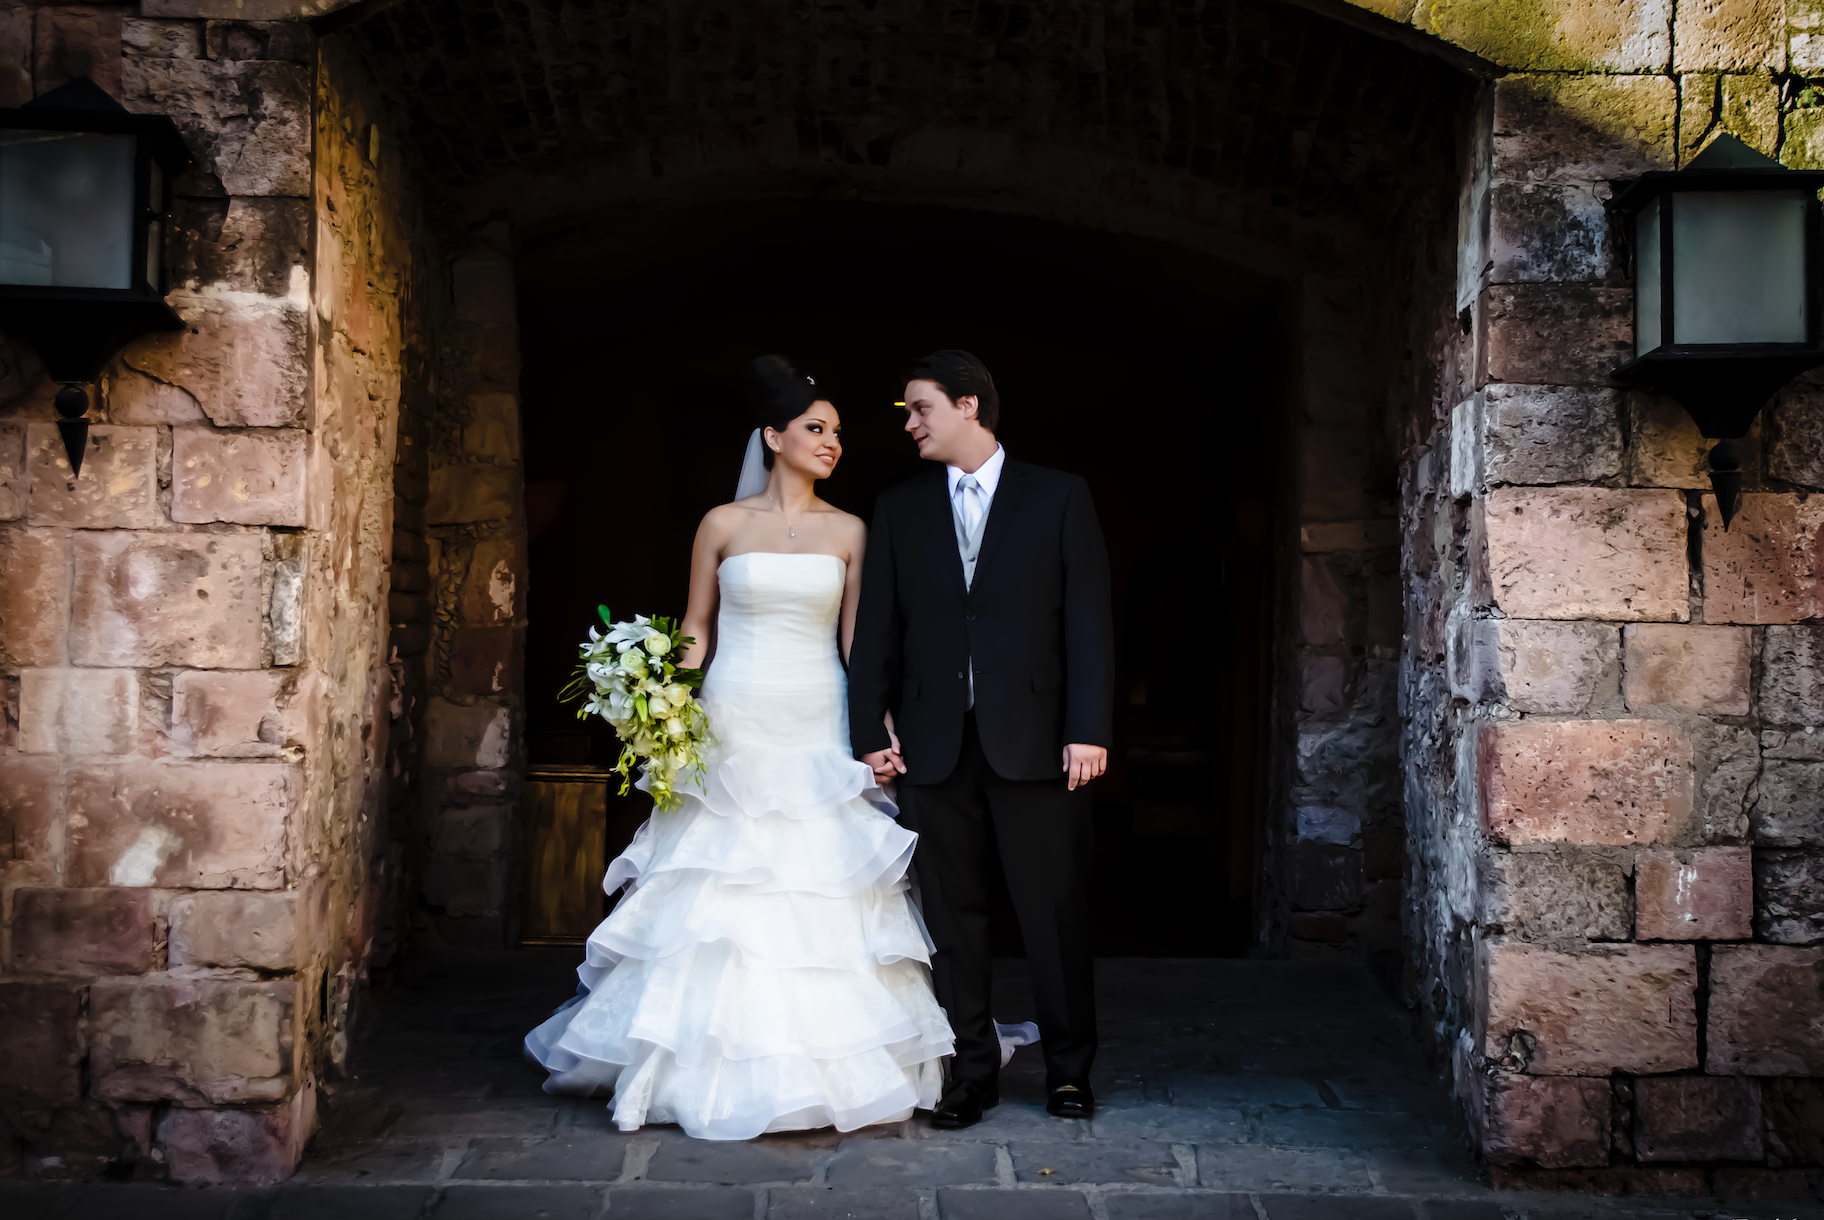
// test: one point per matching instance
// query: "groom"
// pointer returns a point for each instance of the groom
(985, 631)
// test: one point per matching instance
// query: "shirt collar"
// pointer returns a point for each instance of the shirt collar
(987, 477)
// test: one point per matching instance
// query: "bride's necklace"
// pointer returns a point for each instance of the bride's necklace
(781, 507)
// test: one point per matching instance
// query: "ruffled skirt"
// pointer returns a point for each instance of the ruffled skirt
(766, 970)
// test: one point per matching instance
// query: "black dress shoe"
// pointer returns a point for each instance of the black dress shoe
(1072, 1099)
(963, 1105)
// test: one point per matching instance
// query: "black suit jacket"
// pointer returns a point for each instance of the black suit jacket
(1037, 624)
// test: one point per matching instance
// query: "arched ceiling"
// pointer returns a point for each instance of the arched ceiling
(1313, 115)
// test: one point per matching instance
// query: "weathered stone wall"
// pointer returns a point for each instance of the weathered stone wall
(1339, 832)
(1607, 701)
(468, 836)
(382, 302)
(192, 632)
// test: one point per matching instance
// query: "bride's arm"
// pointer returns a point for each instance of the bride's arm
(851, 589)
(700, 616)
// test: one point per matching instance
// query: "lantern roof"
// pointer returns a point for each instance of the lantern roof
(1726, 165)
(83, 105)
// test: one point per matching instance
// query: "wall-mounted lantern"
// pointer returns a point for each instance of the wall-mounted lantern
(84, 196)
(1725, 264)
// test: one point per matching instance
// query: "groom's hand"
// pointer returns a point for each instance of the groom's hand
(887, 765)
(1084, 763)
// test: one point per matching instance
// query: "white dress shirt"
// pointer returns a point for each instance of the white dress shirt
(973, 504)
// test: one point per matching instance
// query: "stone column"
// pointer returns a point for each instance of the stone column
(192, 633)
(162, 915)
(1611, 776)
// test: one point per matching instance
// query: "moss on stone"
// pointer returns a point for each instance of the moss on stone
(1555, 35)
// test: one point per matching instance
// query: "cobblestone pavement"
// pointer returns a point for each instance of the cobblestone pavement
(1230, 1091)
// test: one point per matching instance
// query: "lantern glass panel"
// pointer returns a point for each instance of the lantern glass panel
(67, 218)
(1738, 267)
(1647, 302)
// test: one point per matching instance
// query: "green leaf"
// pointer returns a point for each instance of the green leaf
(603, 611)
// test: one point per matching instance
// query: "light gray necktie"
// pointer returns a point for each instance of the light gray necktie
(968, 505)
(969, 519)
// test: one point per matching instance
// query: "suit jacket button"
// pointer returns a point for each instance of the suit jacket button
(970, 617)
(959, 677)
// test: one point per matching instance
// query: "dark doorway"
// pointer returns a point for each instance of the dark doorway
(1153, 371)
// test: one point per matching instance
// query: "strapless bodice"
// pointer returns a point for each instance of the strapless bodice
(779, 612)
(776, 677)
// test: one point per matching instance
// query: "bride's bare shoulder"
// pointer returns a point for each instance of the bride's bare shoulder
(847, 524)
(720, 523)
(732, 514)
(849, 521)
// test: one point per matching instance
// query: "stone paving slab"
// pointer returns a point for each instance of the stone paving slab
(781, 1159)
(662, 1203)
(831, 1203)
(865, 1163)
(342, 1202)
(526, 1202)
(1426, 1171)
(427, 1118)
(958, 1203)
(1255, 1167)
(1179, 1207)
(596, 1158)
(373, 1161)
(149, 1203)
(1464, 1209)
(1329, 1207)
(1059, 1163)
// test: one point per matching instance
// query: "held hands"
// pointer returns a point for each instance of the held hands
(887, 763)
(1082, 764)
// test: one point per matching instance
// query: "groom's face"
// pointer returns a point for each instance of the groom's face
(936, 421)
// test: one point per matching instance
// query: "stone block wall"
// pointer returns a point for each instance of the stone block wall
(192, 632)
(467, 839)
(1336, 843)
(1607, 700)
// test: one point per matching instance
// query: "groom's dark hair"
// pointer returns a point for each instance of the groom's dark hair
(959, 375)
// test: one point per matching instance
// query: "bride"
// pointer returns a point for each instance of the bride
(765, 970)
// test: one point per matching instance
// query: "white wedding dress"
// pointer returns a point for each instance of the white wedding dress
(766, 970)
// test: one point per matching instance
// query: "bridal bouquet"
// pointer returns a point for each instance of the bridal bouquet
(628, 678)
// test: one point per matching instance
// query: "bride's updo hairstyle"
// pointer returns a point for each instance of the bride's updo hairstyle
(779, 394)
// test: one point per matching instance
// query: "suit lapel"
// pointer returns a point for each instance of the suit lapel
(1000, 513)
(940, 530)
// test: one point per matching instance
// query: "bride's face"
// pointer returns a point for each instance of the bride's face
(811, 444)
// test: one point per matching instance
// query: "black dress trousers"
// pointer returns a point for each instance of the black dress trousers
(1046, 839)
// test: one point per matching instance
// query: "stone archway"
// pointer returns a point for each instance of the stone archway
(1314, 156)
